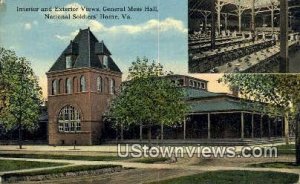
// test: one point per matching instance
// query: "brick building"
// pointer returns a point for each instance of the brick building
(212, 117)
(84, 78)
(80, 85)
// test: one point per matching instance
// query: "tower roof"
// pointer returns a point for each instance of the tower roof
(86, 48)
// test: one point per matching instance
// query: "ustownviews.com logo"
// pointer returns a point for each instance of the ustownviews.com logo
(138, 151)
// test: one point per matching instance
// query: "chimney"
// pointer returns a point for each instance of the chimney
(235, 91)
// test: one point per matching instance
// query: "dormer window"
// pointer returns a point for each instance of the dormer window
(68, 62)
(105, 61)
(191, 83)
(203, 85)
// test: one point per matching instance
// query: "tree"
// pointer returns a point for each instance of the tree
(277, 91)
(20, 93)
(148, 98)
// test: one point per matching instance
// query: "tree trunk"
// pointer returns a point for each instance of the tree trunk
(297, 141)
(149, 136)
(286, 129)
(20, 135)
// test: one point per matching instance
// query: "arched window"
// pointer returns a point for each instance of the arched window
(75, 84)
(82, 84)
(203, 85)
(68, 86)
(54, 87)
(99, 84)
(60, 89)
(106, 85)
(191, 83)
(112, 86)
(69, 120)
(181, 82)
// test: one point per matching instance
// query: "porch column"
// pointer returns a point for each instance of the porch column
(269, 127)
(272, 18)
(205, 15)
(213, 25)
(162, 131)
(253, 16)
(252, 126)
(226, 22)
(141, 132)
(218, 8)
(242, 126)
(261, 126)
(240, 19)
(208, 126)
(291, 20)
(282, 127)
(205, 24)
(122, 132)
(286, 129)
(184, 128)
(284, 54)
(276, 122)
(240, 11)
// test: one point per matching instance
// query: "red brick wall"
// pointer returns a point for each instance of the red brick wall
(91, 104)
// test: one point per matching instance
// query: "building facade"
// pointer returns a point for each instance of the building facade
(212, 117)
(84, 78)
(81, 84)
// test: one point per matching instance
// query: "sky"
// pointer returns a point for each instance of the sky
(160, 36)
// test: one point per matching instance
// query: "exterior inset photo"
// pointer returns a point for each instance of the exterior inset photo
(244, 36)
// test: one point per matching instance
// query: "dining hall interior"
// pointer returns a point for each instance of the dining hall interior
(244, 36)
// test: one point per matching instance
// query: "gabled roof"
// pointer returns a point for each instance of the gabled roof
(86, 48)
(191, 93)
(222, 105)
(201, 101)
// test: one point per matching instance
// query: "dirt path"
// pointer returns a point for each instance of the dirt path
(134, 176)
(154, 166)
(153, 172)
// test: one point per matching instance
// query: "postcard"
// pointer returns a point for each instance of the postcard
(149, 91)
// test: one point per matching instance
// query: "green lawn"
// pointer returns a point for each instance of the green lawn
(283, 150)
(151, 160)
(241, 177)
(62, 170)
(63, 157)
(287, 165)
(11, 165)
(286, 149)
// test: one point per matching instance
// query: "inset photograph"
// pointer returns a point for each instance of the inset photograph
(244, 36)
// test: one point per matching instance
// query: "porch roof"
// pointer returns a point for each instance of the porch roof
(222, 105)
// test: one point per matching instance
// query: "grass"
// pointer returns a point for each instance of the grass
(151, 160)
(281, 150)
(242, 177)
(63, 157)
(287, 165)
(287, 149)
(61, 170)
(11, 165)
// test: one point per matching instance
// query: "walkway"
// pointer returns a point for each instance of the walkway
(183, 168)
(99, 149)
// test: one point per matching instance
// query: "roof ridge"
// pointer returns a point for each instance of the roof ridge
(87, 49)
(89, 46)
